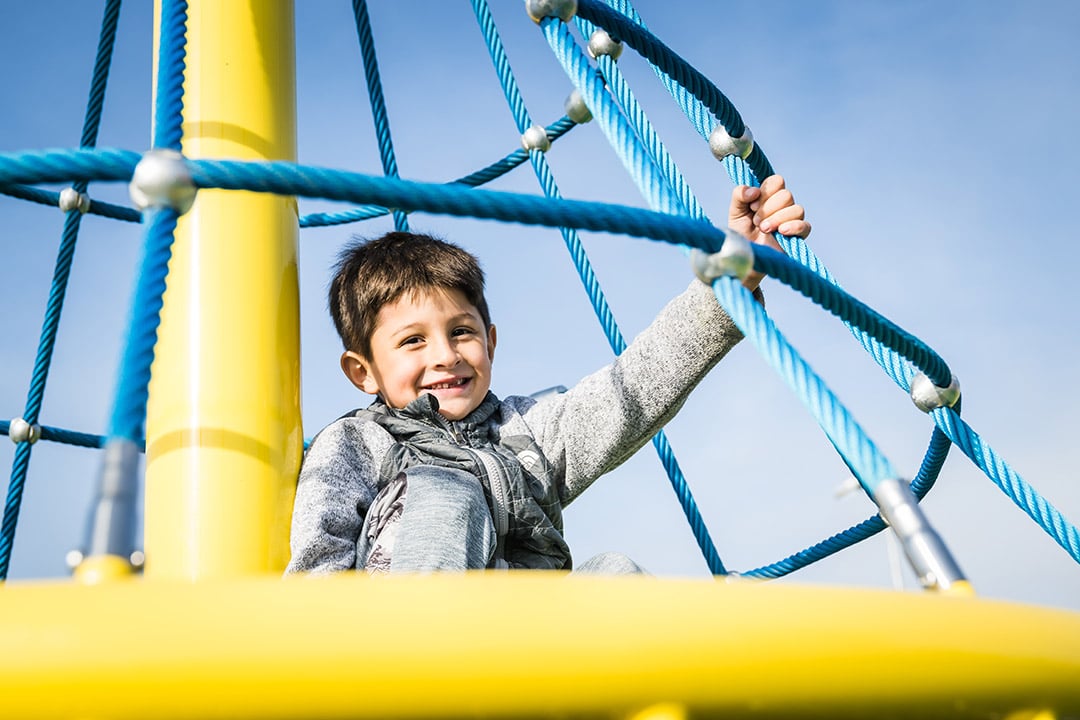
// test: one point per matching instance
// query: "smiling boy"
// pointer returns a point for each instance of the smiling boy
(440, 474)
(432, 342)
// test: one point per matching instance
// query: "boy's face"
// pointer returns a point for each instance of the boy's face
(433, 342)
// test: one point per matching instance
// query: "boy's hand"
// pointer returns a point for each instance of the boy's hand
(756, 213)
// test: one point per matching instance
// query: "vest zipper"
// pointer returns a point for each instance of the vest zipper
(500, 493)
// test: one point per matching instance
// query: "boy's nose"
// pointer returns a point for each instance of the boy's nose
(444, 354)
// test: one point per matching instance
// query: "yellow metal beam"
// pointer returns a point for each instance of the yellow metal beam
(526, 645)
(224, 439)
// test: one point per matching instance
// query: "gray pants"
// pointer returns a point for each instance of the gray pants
(433, 518)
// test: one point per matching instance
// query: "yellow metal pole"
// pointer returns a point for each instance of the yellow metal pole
(224, 440)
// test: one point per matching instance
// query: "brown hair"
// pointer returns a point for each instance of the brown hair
(372, 273)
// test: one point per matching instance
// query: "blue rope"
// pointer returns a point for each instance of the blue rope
(62, 435)
(588, 278)
(48, 197)
(11, 508)
(649, 47)
(169, 106)
(57, 292)
(290, 179)
(378, 104)
(858, 450)
(618, 131)
(1009, 482)
(33, 194)
(807, 276)
(920, 486)
(100, 77)
(554, 131)
(57, 165)
(740, 173)
(655, 169)
(129, 411)
(485, 175)
(635, 114)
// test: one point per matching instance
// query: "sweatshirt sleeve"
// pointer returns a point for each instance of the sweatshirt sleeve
(607, 417)
(338, 481)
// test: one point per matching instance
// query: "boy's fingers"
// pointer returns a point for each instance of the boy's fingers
(775, 203)
(770, 222)
(772, 184)
(742, 197)
(795, 228)
(741, 211)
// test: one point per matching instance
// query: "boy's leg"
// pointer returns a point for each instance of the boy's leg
(610, 563)
(429, 518)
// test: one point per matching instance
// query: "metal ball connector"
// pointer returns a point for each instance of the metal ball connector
(535, 138)
(70, 200)
(162, 180)
(735, 259)
(21, 431)
(576, 109)
(74, 559)
(929, 397)
(721, 144)
(601, 43)
(540, 9)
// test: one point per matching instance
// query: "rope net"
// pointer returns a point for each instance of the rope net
(601, 95)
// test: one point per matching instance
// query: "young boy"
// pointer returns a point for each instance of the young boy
(438, 473)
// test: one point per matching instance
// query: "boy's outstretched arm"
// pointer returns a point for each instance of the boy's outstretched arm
(757, 212)
(610, 414)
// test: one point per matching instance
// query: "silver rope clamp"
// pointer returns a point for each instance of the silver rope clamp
(929, 397)
(722, 144)
(565, 10)
(576, 109)
(21, 431)
(601, 43)
(162, 180)
(70, 199)
(734, 259)
(535, 138)
(926, 552)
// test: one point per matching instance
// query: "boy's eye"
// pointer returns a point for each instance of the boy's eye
(462, 331)
(412, 340)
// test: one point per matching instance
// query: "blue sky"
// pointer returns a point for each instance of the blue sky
(932, 144)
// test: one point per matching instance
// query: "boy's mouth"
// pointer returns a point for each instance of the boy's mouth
(456, 382)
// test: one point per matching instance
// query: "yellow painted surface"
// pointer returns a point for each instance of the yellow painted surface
(526, 644)
(103, 568)
(224, 439)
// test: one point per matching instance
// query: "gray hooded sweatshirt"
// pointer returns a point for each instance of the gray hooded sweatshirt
(546, 452)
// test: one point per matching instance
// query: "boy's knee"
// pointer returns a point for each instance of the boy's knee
(443, 486)
(610, 563)
(445, 524)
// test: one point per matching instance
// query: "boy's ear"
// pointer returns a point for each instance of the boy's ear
(491, 342)
(357, 369)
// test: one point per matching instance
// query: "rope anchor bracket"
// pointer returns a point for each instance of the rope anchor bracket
(734, 259)
(162, 180)
(926, 552)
